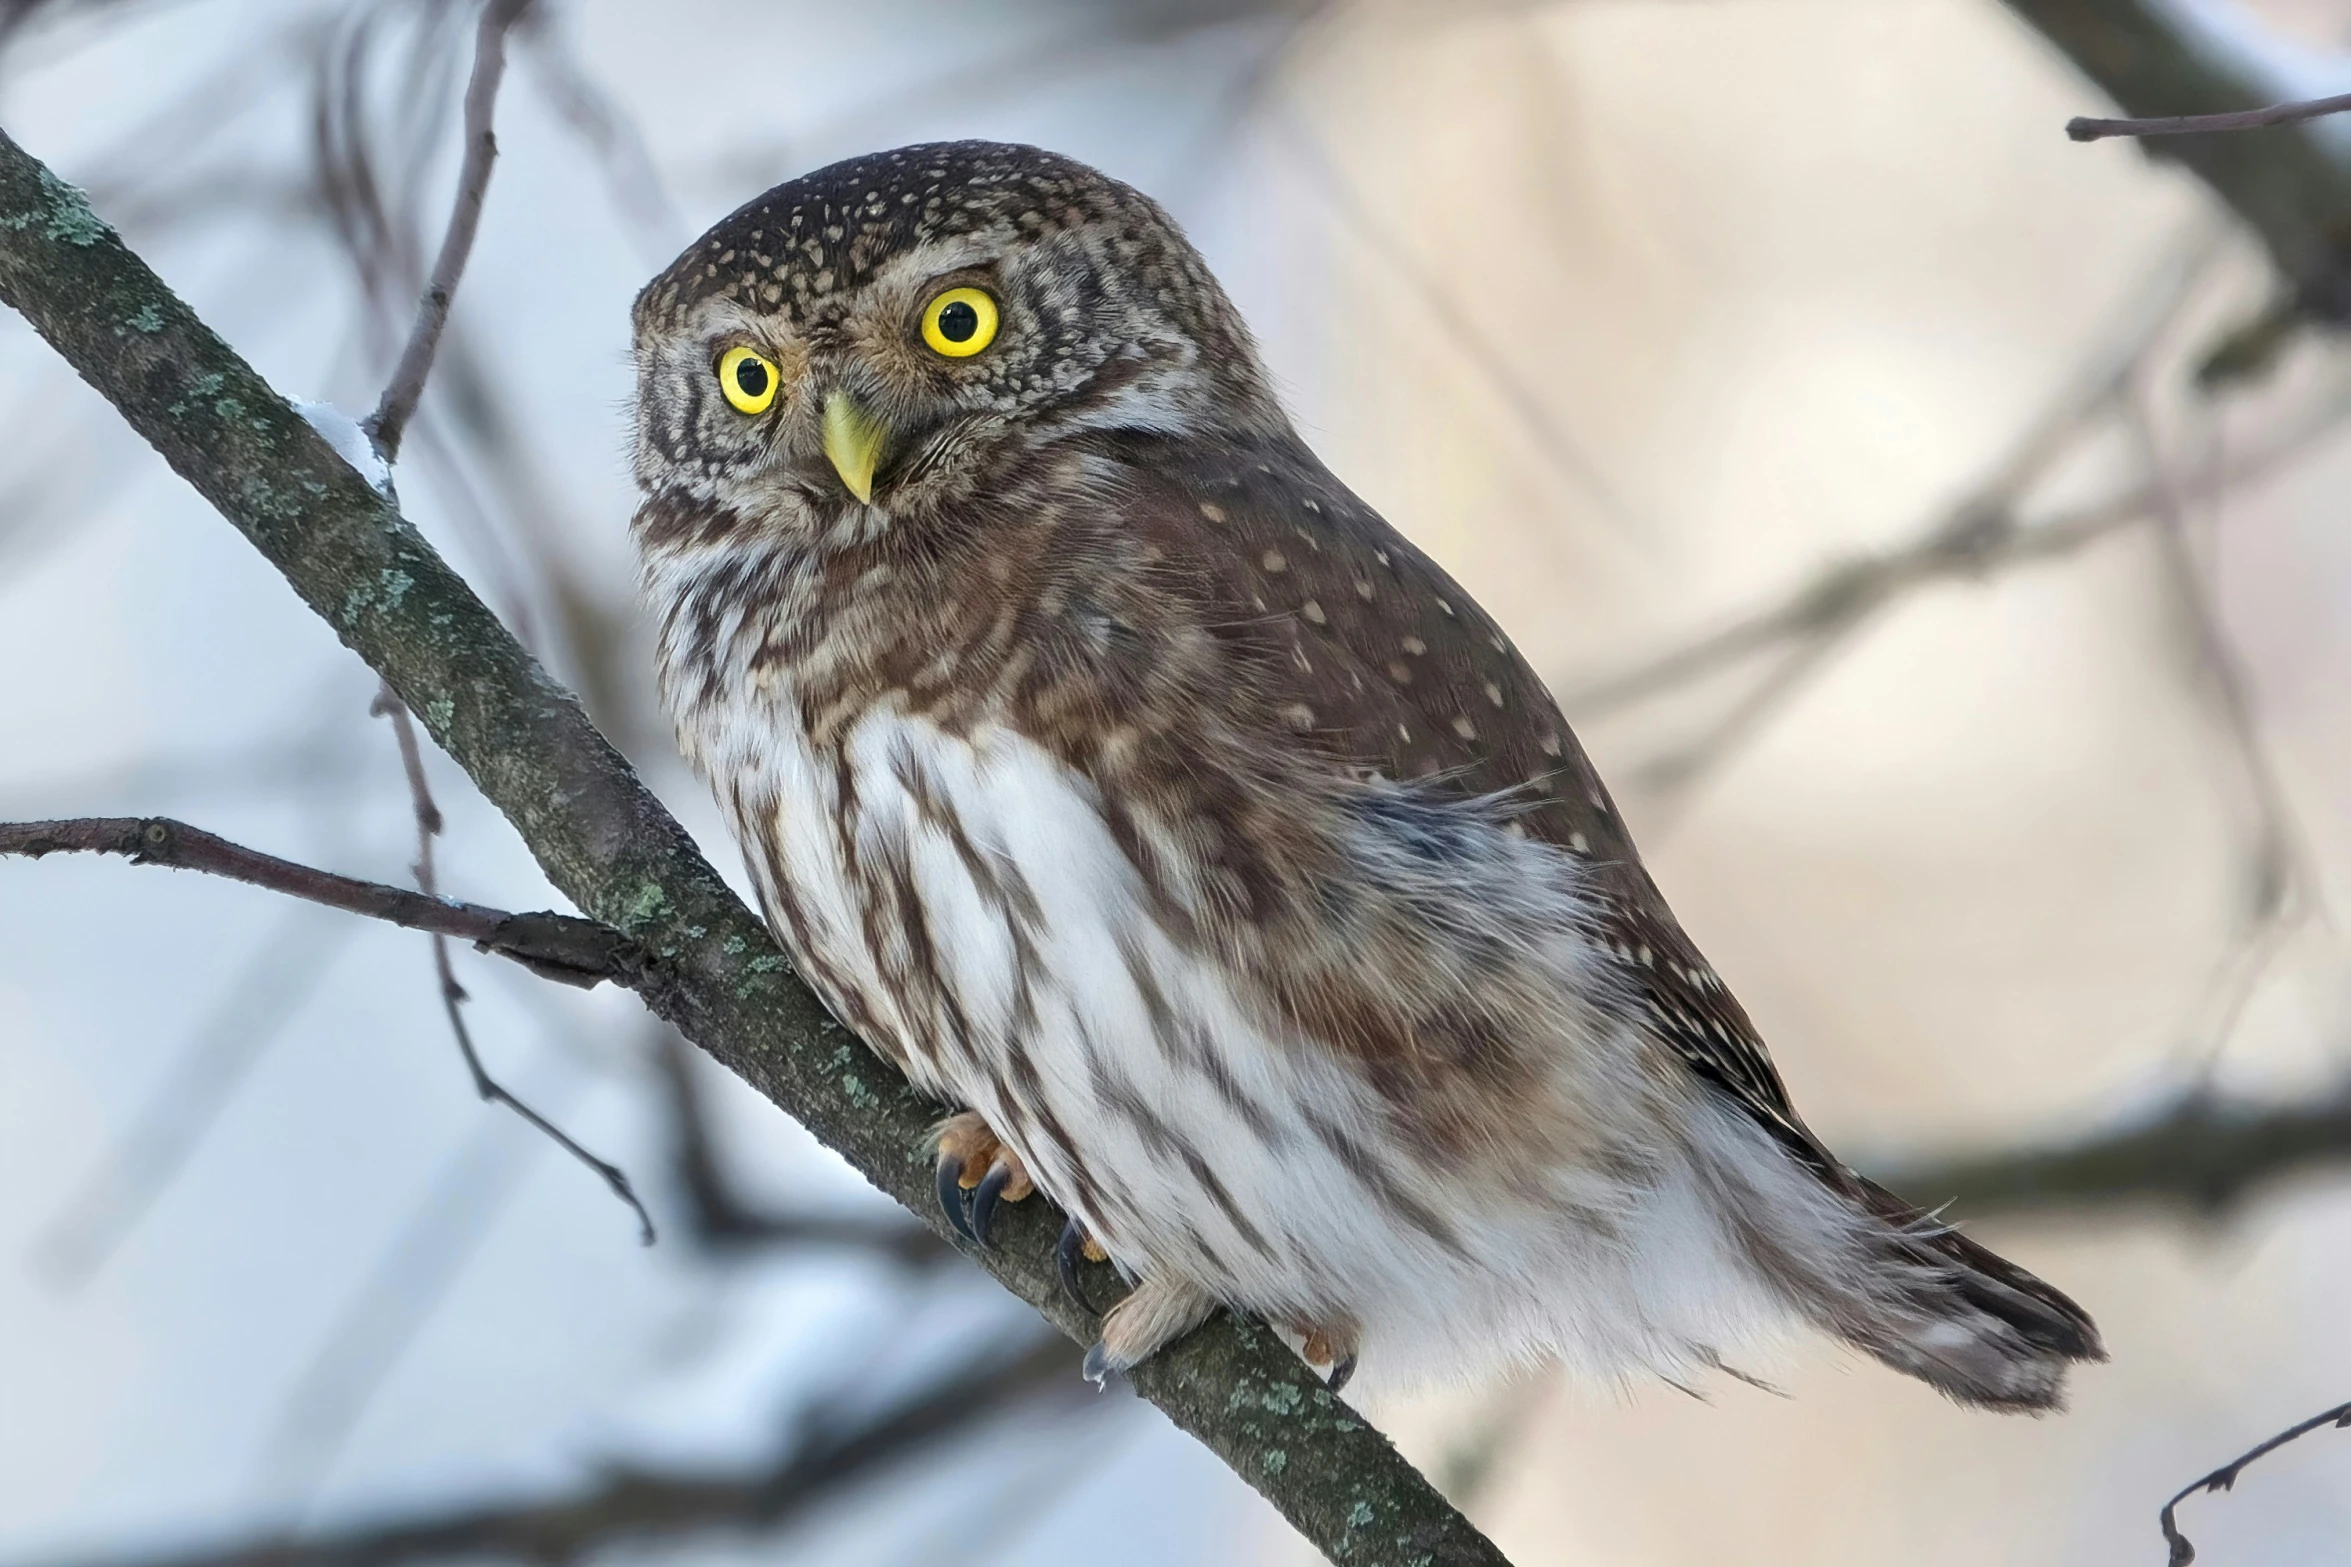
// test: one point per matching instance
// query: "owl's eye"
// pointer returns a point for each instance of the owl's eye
(749, 380)
(959, 323)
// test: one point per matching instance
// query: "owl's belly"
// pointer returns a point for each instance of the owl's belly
(964, 905)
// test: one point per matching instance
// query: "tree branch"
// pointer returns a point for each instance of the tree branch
(554, 946)
(2225, 1478)
(390, 419)
(2289, 188)
(708, 964)
(2083, 128)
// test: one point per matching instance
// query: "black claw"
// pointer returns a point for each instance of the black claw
(983, 1203)
(1340, 1372)
(1066, 1253)
(952, 1200)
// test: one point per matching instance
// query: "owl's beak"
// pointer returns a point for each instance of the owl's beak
(853, 439)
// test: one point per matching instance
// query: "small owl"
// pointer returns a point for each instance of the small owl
(1125, 780)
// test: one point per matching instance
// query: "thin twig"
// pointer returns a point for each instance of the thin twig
(556, 946)
(2084, 128)
(2225, 1478)
(390, 419)
(428, 827)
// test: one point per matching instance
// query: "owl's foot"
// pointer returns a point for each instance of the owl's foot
(976, 1171)
(1158, 1312)
(1074, 1244)
(1330, 1344)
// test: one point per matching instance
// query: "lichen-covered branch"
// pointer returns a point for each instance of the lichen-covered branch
(609, 846)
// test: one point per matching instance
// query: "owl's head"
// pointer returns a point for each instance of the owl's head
(876, 338)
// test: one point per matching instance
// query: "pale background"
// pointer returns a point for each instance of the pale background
(1636, 313)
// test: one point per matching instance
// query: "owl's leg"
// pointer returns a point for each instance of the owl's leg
(1158, 1312)
(976, 1171)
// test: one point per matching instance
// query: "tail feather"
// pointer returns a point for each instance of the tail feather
(1898, 1283)
(1992, 1334)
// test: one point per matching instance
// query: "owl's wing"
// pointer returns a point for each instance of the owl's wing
(1372, 653)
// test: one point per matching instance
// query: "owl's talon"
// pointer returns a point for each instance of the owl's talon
(984, 1200)
(1340, 1374)
(951, 1198)
(977, 1170)
(1096, 1368)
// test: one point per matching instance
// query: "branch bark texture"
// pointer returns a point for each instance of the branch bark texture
(601, 837)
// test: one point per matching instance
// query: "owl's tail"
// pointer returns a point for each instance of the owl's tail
(1867, 1267)
(1965, 1319)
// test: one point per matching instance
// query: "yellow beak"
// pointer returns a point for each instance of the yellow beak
(853, 439)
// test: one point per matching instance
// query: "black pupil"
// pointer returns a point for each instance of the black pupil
(958, 322)
(751, 376)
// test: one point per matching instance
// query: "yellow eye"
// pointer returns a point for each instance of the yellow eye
(959, 323)
(749, 380)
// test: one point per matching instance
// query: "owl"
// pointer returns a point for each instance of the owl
(1128, 783)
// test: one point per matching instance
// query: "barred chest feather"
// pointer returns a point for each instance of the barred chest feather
(960, 900)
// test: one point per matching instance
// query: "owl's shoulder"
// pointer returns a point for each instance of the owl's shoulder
(1361, 650)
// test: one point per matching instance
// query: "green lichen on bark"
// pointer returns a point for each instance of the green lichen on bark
(611, 848)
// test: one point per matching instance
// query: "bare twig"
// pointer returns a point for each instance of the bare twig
(2225, 1477)
(390, 419)
(2154, 58)
(557, 946)
(2085, 128)
(1982, 533)
(428, 827)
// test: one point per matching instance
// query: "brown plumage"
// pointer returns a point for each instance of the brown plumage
(1123, 778)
